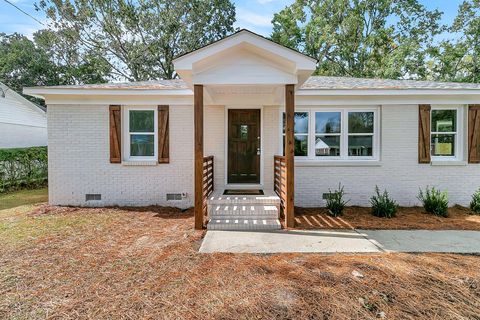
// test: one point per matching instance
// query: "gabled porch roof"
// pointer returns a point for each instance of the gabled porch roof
(244, 58)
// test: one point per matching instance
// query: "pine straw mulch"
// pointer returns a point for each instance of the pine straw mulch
(130, 263)
(459, 218)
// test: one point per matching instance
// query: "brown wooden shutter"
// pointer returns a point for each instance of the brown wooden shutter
(424, 133)
(115, 135)
(163, 135)
(474, 133)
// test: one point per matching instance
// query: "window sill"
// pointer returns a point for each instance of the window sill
(457, 163)
(139, 163)
(338, 163)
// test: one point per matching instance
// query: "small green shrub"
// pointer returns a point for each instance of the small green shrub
(382, 205)
(434, 201)
(475, 203)
(335, 201)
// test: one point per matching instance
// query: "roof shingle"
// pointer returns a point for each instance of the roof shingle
(313, 83)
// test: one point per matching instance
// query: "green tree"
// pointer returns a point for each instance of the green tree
(73, 64)
(458, 59)
(139, 39)
(45, 62)
(24, 64)
(360, 38)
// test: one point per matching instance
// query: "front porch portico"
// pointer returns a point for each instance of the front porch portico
(239, 77)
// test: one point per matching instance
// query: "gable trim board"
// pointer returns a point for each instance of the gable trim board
(80, 117)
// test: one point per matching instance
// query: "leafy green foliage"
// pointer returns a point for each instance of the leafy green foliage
(382, 204)
(434, 201)
(475, 203)
(361, 38)
(45, 61)
(23, 167)
(458, 59)
(139, 39)
(335, 201)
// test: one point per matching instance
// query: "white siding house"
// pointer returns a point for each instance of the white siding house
(22, 123)
(143, 143)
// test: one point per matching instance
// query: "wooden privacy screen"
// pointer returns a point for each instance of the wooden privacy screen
(279, 180)
(115, 135)
(208, 183)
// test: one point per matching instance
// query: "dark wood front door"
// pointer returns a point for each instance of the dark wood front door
(243, 146)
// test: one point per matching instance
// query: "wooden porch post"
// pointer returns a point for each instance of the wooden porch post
(198, 124)
(289, 154)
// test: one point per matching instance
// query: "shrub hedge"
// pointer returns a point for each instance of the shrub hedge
(23, 168)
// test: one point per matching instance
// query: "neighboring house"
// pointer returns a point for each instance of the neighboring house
(145, 143)
(22, 123)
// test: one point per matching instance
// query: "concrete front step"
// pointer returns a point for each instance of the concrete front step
(243, 211)
(243, 224)
(269, 197)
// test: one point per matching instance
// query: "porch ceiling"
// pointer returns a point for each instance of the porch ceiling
(244, 94)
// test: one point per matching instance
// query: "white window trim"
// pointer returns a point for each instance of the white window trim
(127, 133)
(459, 134)
(344, 134)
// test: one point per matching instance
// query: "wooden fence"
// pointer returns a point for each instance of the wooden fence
(279, 180)
(208, 183)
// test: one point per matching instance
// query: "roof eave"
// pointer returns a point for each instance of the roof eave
(385, 92)
(41, 92)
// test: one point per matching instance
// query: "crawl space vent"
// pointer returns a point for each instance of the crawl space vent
(174, 196)
(93, 197)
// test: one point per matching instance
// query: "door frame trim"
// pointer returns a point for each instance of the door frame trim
(244, 185)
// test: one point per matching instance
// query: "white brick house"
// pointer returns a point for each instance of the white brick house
(144, 143)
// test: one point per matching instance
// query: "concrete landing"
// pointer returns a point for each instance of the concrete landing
(341, 241)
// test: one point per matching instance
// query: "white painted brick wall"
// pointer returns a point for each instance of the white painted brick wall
(214, 139)
(399, 172)
(79, 161)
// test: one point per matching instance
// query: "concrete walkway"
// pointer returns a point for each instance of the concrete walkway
(346, 241)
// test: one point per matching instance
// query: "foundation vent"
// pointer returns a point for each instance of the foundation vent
(174, 196)
(93, 197)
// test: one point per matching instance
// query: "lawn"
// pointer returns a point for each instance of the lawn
(75, 263)
(23, 197)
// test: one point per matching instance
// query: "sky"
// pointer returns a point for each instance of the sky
(255, 15)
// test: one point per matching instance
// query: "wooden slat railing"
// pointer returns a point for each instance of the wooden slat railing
(207, 183)
(280, 180)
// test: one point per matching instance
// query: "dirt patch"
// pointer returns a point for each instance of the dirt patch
(127, 263)
(459, 218)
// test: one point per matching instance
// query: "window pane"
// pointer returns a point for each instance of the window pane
(443, 145)
(444, 120)
(327, 146)
(301, 122)
(142, 145)
(327, 122)
(301, 146)
(360, 122)
(142, 120)
(360, 146)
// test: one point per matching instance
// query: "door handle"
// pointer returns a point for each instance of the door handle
(258, 151)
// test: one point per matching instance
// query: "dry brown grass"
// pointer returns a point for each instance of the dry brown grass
(129, 263)
(459, 218)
